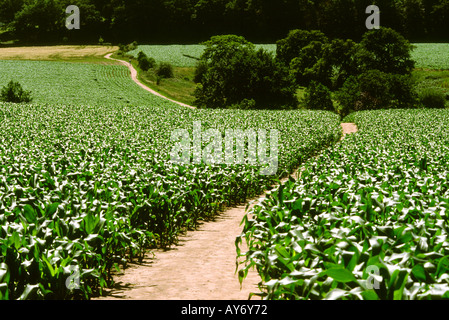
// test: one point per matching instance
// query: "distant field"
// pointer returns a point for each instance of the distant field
(431, 55)
(426, 55)
(56, 53)
(76, 83)
(181, 55)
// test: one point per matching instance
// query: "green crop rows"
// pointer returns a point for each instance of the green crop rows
(75, 83)
(83, 190)
(366, 220)
(431, 55)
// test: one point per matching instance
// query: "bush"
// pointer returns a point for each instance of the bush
(403, 91)
(164, 70)
(318, 97)
(13, 92)
(245, 104)
(374, 87)
(348, 97)
(145, 63)
(432, 98)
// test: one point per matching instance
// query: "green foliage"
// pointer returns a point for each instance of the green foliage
(164, 70)
(13, 92)
(432, 98)
(290, 47)
(386, 50)
(318, 97)
(376, 201)
(145, 63)
(431, 55)
(376, 90)
(93, 187)
(339, 58)
(308, 65)
(236, 71)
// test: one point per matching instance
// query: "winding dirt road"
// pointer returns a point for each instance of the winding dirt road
(134, 78)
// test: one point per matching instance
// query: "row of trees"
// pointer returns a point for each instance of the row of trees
(339, 75)
(197, 20)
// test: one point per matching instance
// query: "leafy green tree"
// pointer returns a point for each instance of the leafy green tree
(40, 20)
(290, 47)
(339, 56)
(386, 50)
(308, 65)
(9, 8)
(235, 72)
(318, 97)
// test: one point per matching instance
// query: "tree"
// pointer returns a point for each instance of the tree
(13, 92)
(290, 47)
(40, 20)
(340, 58)
(9, 8)
(308, 65)
(385, 50)
(233, 72)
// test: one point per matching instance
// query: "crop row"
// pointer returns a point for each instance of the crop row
(367, 219)
(76, 83)
(83, 190)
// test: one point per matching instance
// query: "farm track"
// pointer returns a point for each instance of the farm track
(134, 78)
(201, 267)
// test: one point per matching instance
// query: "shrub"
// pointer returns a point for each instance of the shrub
(403, 91)
(374, 87)
(318, 97)
(245, 104)
(432, 98)
(145, 63)
(348, 96)
(164, 70)
(13, 92)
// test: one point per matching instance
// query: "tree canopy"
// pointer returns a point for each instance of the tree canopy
(198, 20)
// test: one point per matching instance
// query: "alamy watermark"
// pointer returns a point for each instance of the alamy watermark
(374, 278)
(373, 21)
(189, 149)
(73, 280)
(72, 21)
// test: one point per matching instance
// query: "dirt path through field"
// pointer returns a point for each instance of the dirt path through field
(201, 267)
(134, 78)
